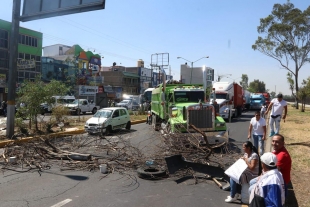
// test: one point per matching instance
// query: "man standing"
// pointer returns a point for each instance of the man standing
(277, 105)
(270, 185)
(258, 126)
(284, 159)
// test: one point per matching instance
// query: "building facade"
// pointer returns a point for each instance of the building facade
(29, 55)
(195, 75)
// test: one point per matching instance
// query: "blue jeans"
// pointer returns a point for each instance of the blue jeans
(233, 188)
(258, 142)
(274, 124)
(252, 184)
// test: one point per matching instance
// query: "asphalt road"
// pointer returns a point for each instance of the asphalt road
(57, 188)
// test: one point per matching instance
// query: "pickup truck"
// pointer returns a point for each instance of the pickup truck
(79, 106)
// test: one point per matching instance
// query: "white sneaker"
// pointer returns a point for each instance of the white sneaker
(237, 196)
(230, 199)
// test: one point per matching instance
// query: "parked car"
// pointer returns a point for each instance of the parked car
(82, 106)
(108, 119)
(129, 104)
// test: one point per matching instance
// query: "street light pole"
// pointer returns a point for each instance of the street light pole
(192, 65)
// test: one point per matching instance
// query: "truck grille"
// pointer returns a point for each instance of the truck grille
(201, 119)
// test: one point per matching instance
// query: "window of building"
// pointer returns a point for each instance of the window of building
(21, 55)
(4, 39)
(28, 40)
(27, 56)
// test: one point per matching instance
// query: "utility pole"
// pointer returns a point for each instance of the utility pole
(13, 68)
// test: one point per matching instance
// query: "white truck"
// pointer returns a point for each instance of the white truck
(229, 97)
(79, 106)
(58, 100)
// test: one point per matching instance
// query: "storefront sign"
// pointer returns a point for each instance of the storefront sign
(88, 90)
(26, 64)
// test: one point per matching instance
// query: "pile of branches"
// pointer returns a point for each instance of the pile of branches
(194, 147)
(71, 153)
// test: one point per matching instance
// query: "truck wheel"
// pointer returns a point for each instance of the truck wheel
(84, 113)
(128, 125)
(94, 110)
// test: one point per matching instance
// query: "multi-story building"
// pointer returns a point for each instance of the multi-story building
(55, 50)
(195, 75)
(61, 62)
(29, 55)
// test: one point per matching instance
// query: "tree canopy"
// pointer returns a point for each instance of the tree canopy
(244, 81)
(287, 37)
(33, 94)
(257, 86)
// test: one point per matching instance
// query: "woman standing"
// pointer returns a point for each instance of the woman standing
(252, 160)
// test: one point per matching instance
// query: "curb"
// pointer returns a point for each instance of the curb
(54, 135)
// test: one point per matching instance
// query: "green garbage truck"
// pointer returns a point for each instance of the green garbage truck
(176, 106)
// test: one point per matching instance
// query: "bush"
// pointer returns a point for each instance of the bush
(22, 127)
(59, 112)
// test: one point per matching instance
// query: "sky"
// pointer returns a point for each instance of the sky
(126, 31)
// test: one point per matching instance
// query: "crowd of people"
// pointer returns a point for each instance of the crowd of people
(267, 175)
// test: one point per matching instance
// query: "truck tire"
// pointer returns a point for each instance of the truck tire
(151, 173)
(128, 125)
(94, 110)
(84, 113)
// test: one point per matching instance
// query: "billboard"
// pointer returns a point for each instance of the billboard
(88, 90)
(40, 9)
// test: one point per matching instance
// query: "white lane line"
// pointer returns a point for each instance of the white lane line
(62, 203)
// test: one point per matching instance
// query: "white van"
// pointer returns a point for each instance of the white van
(59, 100)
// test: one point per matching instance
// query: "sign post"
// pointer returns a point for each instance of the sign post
(13, 69)
(33, 10)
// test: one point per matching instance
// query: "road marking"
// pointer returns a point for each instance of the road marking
(62, 203)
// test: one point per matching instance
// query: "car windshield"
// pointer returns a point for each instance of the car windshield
(188, 96)
(78, 102)
(219, 95)
(65, 101)
(103, 113)
(125, 101)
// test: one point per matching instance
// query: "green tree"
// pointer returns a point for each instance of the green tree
(291, 83)
(304, 93)
(287, 38)
(244, 81)
(33, 94)
(272, 94)
(257, 86)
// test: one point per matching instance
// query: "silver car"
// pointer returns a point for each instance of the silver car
(108, 119)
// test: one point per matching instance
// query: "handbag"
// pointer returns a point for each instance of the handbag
(257, 201)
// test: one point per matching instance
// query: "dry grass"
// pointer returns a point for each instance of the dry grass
(296, 131)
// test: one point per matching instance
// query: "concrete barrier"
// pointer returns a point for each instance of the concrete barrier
(3, 143)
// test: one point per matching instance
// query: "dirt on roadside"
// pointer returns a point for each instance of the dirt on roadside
(296, 131)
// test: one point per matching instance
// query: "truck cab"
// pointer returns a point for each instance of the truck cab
(257, 101)
(177, 106)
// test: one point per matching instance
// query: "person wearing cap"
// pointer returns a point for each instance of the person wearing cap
(269, 188)
(258, 127)
(277, 106)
